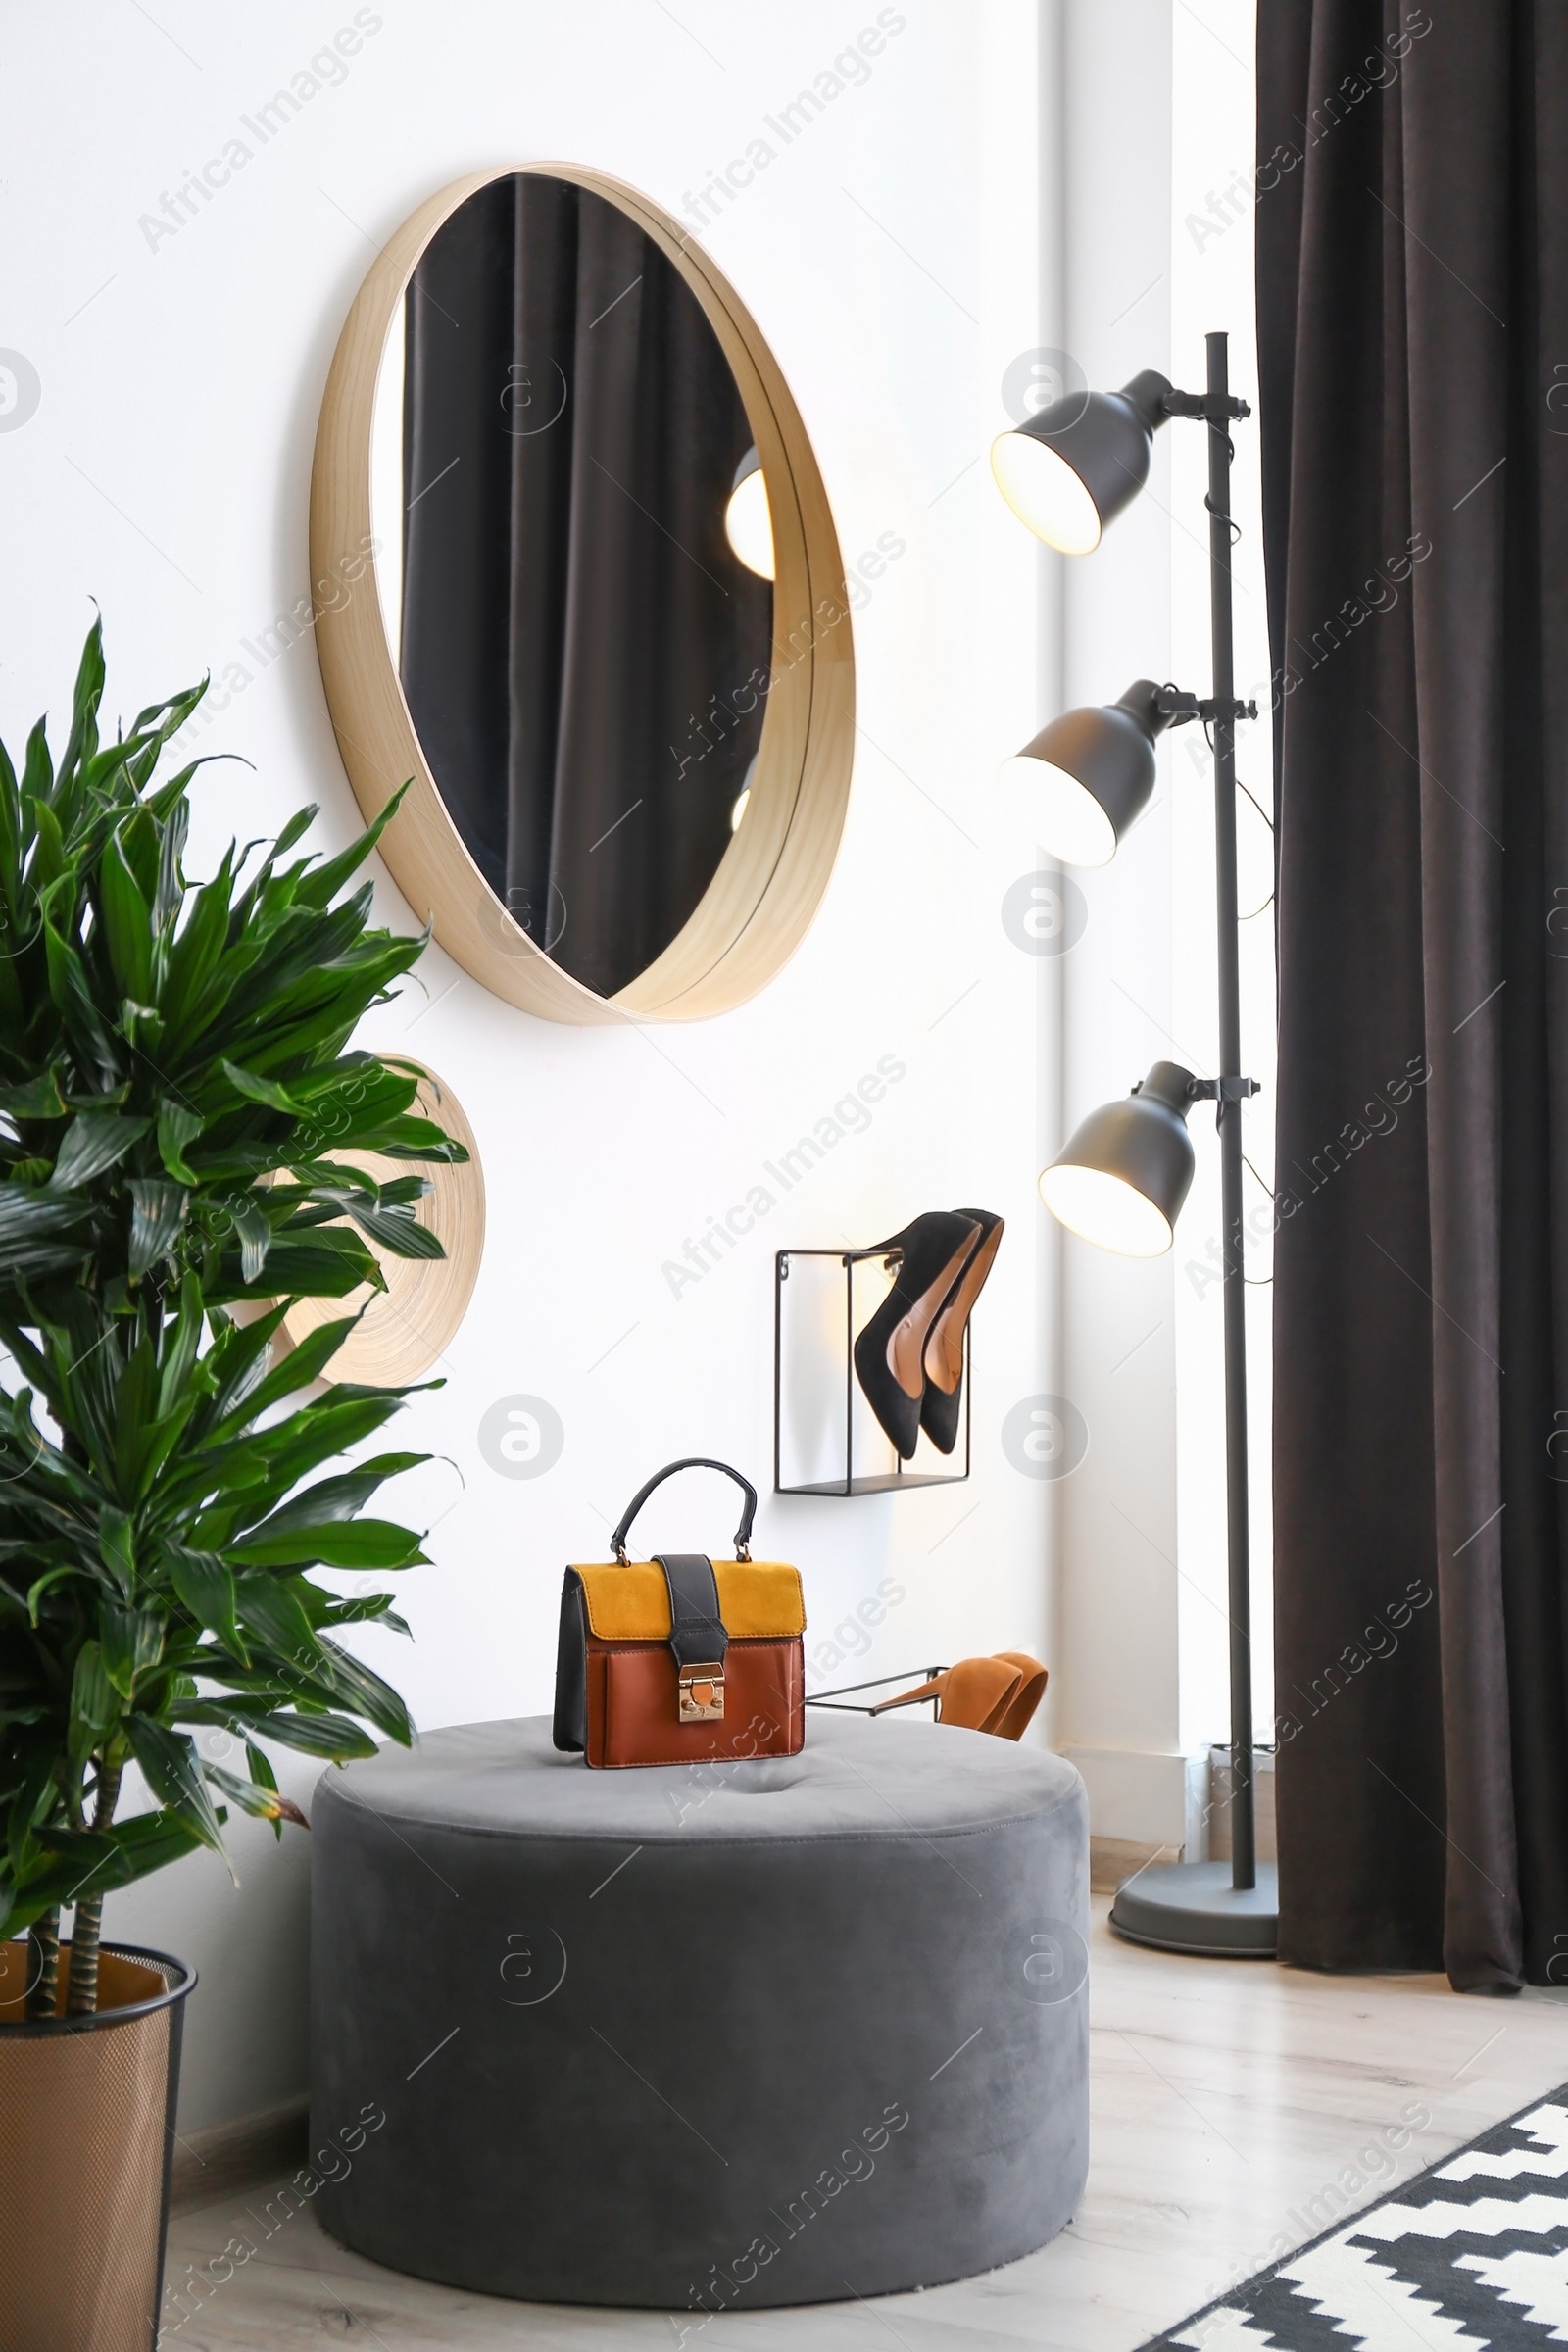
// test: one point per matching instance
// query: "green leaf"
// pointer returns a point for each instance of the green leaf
(158, 722)
(139, 842)
(368, 1696)
(177, 1126)
(341, 1496)
(181, 1340)
(40, 1234)
(261, 1766)
(97, 1861)
(35, 1098)
(171, 849)
(335, 1736)
(158, 1212)
(301, 1365)
(141, 1027)
(298, 825)
(237, 1362)
(272, 1461)
(49, 852)
(397, 1229)
(413, 1138)
(172, 1772)
(94, 1140)
(82, 741)
(117, 1546)
(135, 1409)
(85, 1026)
(368, 1608)
(257, 1797)
(128, 923)
(37, 772)
(334, 1544)
(206, 1585)
(328, 880)
(10, 832)
(255, 1238)
(404, 1191)
(324, 1265)
(195, 952)
(132, 1641)
(268, 1608)
(262, 1090)
(92, 1698)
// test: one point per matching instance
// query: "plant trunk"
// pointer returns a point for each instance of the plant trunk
(81, 1994)
(43, 1965)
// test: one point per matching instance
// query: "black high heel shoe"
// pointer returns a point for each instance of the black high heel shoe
(943, 1360)
(890, 1352)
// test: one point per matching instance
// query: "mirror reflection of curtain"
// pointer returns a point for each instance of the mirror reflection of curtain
(571, 608)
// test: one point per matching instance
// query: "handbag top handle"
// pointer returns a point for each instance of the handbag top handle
(695, 1462)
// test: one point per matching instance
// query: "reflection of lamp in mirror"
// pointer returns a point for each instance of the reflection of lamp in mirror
(1121, 1178)
(743, 796)
(748, 517)
(1086, 777)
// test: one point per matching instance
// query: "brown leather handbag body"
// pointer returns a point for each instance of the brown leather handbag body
(681, 1659)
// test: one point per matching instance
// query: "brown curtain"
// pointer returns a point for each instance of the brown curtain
(1413, 284)
(576, 631)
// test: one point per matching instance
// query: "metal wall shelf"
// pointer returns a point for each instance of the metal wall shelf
(826, 1439)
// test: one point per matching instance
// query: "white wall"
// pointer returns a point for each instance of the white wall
(1119, 1651)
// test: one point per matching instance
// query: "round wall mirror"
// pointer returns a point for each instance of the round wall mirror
(575, 576)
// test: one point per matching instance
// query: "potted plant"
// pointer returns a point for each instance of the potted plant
(177, 1083)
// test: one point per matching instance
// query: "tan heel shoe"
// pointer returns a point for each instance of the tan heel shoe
(943, 1361)
(997, 1695)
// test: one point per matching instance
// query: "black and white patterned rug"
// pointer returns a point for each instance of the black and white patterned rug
(1472, 2252)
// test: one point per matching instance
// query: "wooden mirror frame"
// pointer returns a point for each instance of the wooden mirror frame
(774, 873)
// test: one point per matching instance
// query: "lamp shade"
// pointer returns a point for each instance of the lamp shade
(1067, 479)
(1121, 1179)
(749, 519)
(1086, 777)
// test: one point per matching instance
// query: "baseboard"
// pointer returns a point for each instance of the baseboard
(213, 2164)
(1141, 1797)
(1113, 1859)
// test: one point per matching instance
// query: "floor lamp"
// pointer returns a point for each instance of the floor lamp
(1121, 1179)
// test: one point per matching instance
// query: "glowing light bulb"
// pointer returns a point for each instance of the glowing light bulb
(749, 519)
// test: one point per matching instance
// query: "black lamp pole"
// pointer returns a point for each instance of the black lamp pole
(1244, 1839)
(1186, 1906)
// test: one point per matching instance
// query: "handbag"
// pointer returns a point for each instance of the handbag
(681, 1659)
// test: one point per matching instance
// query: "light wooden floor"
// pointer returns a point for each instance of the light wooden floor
(1227, 2097)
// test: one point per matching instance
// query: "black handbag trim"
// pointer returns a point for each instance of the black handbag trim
(697, 1633)
(571, 1729)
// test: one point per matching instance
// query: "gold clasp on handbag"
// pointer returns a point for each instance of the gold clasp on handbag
(701, 1694)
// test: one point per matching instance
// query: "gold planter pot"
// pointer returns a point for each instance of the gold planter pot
(86, 2140)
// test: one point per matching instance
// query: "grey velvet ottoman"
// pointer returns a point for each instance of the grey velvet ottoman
(700, 2037)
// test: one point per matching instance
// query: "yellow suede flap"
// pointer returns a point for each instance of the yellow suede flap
(758, 1599)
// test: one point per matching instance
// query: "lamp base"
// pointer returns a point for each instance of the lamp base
(1193, 1907)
